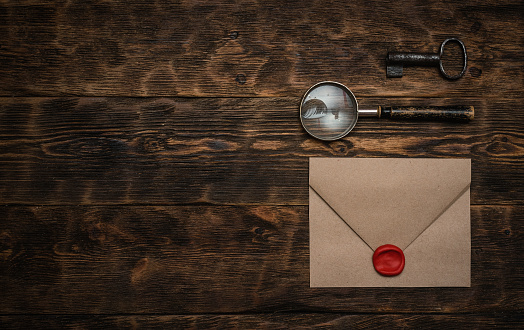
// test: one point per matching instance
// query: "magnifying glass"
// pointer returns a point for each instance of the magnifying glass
(329, 111)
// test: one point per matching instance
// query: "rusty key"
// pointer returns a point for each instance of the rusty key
(395, 61)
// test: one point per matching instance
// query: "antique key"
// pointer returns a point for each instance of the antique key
(395, 61)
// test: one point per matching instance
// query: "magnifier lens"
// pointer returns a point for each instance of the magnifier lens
(328, 111)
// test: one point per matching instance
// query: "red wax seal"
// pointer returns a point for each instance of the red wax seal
(388, 260)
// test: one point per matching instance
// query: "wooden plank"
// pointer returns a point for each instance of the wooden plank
(226, 151)
(220, 259)
(265, 321)
(192, 48)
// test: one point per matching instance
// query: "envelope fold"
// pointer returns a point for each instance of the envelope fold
(359, 204)
(389, 201)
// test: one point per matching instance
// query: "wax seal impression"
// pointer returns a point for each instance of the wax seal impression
(388, 260)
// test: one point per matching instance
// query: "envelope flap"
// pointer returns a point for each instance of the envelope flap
(389, 200)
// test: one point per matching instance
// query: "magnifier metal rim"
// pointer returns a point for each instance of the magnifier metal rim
(341, 135)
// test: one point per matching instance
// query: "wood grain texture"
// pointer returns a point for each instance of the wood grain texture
(225, 151)
(153, 170)
(210, 259)
(251, 48)
(265, 321)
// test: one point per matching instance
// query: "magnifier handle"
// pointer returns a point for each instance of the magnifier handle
(451, 113)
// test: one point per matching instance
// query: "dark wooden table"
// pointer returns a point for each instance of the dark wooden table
(154, 172)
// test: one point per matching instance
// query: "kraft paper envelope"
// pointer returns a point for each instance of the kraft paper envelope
(420, 205)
